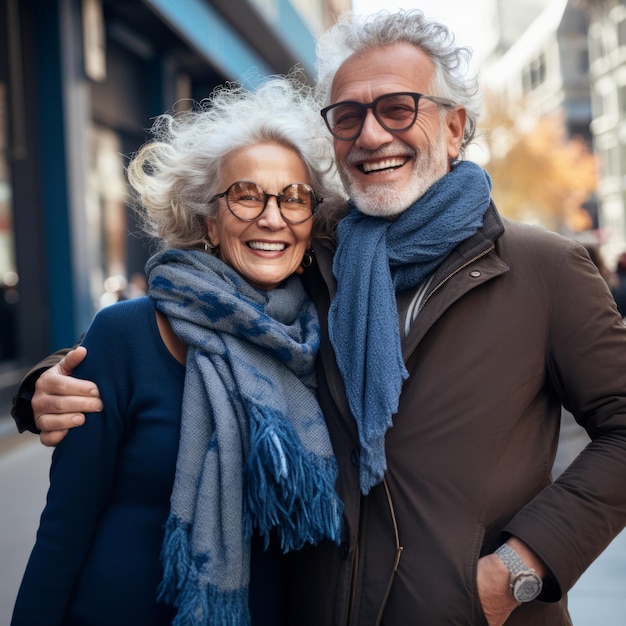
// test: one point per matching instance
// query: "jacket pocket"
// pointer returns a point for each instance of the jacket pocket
(479, 618)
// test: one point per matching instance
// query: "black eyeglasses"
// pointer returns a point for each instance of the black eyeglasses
(247, 200)
(395, 112)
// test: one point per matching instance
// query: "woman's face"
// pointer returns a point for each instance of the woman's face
(267, 250)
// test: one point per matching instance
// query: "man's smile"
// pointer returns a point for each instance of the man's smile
(391, 163)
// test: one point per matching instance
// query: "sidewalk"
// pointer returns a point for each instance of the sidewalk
(24, 466)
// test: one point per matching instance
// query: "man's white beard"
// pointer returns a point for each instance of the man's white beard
(390, 199)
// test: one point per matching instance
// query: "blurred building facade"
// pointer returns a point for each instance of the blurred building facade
(607, 69)
(570, 56)
(80, 81)
(542, 61)
(545, 63)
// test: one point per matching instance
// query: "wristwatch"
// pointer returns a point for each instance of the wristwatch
(525, 583)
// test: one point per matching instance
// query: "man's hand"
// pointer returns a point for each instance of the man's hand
(60, 401)
(494, 590)
(492, 580)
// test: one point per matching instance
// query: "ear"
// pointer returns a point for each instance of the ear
(213, 231)
(455, 127)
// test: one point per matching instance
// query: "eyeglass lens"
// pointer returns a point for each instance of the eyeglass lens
(247, 200)
(393, 112)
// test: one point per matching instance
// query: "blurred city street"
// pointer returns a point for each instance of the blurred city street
(83, 82)
(23, 484)
(598, 599)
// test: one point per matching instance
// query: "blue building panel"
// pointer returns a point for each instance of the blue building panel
(213, 38)
(54, 191)
(296, 35)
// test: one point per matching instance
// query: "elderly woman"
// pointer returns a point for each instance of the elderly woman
(139, 528)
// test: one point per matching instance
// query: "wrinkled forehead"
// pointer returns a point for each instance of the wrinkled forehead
(371, 73)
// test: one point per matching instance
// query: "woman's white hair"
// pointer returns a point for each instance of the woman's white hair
(175, 176)
(353, 34)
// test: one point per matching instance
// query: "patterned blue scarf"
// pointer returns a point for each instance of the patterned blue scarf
(254, 452)
(375, 258)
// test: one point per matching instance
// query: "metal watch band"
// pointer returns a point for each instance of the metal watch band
(524, 582)
(512, 560)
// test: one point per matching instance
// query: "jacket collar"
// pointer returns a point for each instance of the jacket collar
(476, 247)
(491, 230)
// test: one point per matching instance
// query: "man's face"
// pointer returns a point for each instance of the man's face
(384, 172)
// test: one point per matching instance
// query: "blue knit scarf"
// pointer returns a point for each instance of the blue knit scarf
(375, 258)
(254, 452)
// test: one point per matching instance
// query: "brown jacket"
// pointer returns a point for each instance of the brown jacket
(516, 322)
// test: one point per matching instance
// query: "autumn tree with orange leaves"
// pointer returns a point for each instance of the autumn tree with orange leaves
(539, 174)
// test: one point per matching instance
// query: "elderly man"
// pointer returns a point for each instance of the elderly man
(453, 338)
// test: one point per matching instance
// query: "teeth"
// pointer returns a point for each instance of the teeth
(383, 165)
(267, 247)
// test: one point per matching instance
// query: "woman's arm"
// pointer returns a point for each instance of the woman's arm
(81, 476)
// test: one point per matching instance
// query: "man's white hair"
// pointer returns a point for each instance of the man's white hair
(452, 77)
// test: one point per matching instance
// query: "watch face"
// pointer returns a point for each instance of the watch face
(526, 587)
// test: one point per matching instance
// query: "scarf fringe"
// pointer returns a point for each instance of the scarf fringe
(175, 559)
(182, 589)
(286, 488)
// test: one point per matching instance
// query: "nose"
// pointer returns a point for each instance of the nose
(271, 217)
(373, 135)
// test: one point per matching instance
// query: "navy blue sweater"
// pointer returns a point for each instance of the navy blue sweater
(96, 558)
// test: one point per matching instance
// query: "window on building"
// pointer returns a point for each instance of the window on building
(597, 104)
(583, 61)
(535, 74)
(611, 161)
(597, 41)
(621, 98)
(526, 80)
(621, 32)
(622, 156)
(107, 218)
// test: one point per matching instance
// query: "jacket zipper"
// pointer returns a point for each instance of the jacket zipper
(396, 563)
(353, 583)
(399, 550)
(456, 271)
